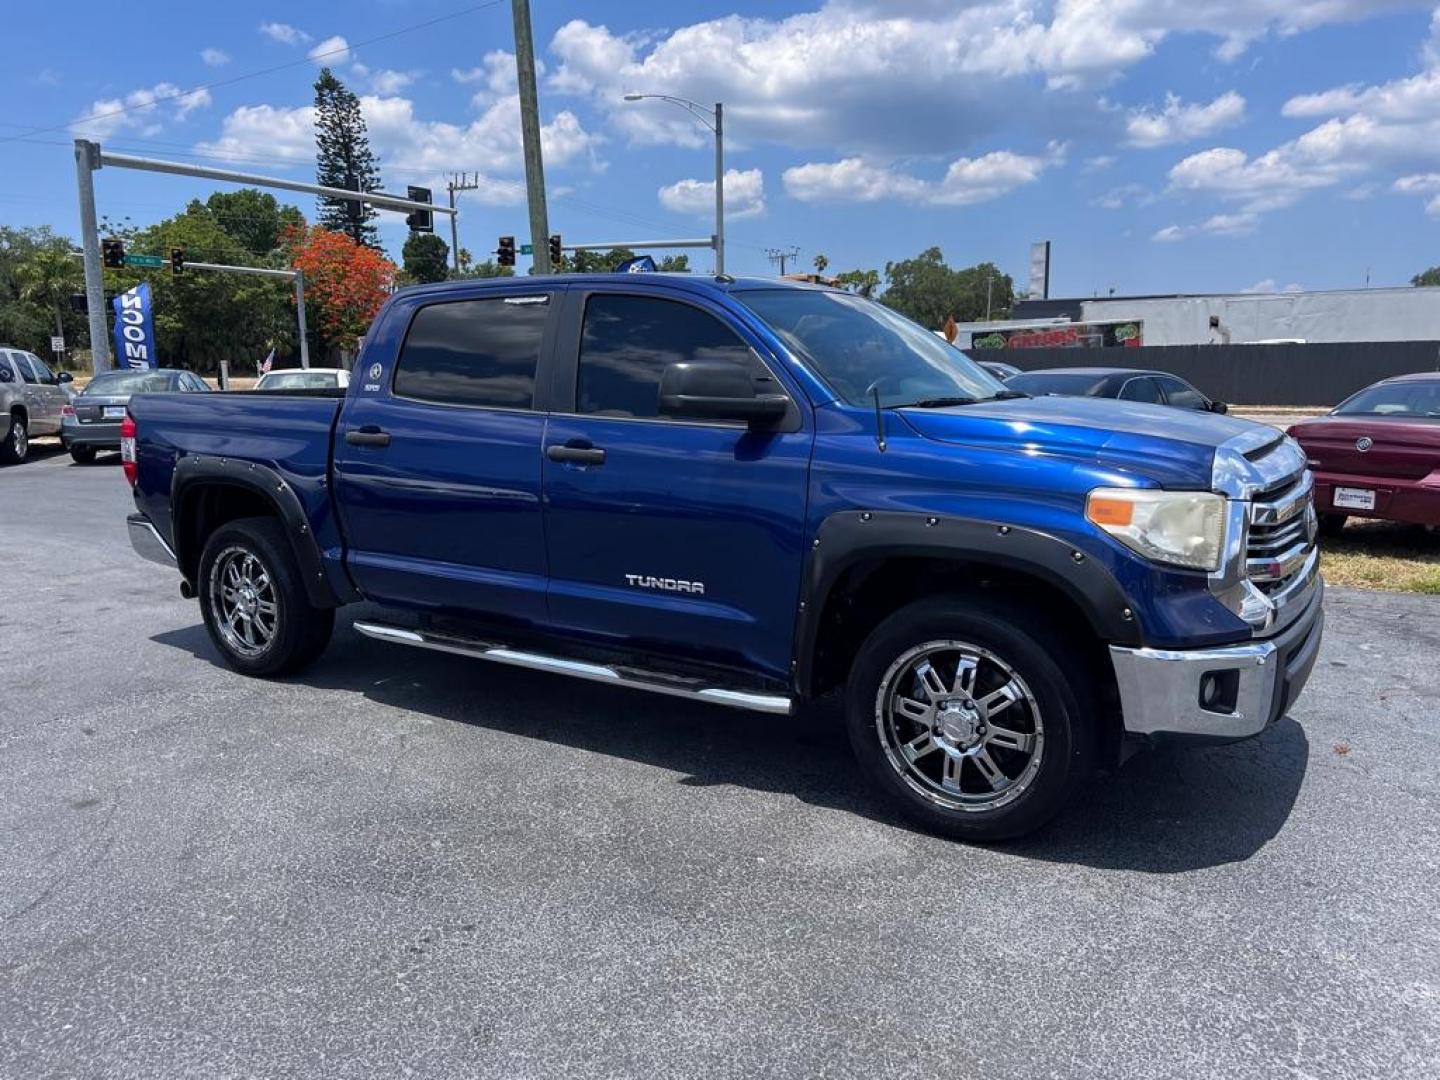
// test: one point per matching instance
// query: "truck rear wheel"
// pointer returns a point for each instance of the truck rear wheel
(253, 602)
(968, 715)
(16, 446)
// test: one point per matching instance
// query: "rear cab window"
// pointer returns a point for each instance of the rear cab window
(480, 353)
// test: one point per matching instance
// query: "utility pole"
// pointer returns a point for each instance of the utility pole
(719, 188)
(458, 182)
(989, 292)
(781, 256)
(530, 136)
(87, 160)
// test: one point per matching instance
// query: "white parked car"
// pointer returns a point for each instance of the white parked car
(304, 379)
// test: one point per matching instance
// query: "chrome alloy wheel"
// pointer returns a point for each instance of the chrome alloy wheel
(19, 439)
(959, 725)
(243, 602)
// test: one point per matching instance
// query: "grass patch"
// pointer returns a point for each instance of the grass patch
(1383, 555)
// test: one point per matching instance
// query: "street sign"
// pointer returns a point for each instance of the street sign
(57, 344)
(144, 260)
(527, 249)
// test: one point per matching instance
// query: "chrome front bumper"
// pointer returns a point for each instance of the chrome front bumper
(1251, 684)
(147, 541)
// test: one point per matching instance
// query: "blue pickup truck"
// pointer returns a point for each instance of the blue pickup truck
(753, 493)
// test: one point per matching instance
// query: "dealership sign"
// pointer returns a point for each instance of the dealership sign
(135, 328)
(1063, 336)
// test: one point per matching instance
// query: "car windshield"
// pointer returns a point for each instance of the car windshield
(297, 380)
(131, 382)
(1037, 383)
(1405, 399)
(856, 344)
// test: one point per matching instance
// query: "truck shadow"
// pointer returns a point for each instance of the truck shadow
(1165, 811)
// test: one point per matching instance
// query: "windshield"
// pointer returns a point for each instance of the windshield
(130, 382)
(1410, 399)
(297, 380)
(855, 344)
(1069, 384)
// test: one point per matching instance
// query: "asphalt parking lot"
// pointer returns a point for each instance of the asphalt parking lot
(411, 864)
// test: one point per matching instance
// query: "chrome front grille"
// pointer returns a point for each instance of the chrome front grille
(1280, 543)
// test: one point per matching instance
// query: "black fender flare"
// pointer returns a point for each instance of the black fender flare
(850, 536)
(194, 472)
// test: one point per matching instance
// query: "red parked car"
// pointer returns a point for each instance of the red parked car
(1377, 454)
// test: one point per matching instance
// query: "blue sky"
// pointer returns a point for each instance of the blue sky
(1162, 146)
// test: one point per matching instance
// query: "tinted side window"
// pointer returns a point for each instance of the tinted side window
(627, 342)
(22, 365)
(474, 352)
(43, 373)
(1141, 390)
(1182, 394)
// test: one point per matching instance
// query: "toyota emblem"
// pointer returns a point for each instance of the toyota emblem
(1364, 443)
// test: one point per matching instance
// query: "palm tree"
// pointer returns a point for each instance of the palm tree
(48, 278)
(821, 262)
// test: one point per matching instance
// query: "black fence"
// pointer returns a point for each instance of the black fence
(1321, 374)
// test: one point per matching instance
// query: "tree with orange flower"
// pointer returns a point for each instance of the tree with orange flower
(345, 284)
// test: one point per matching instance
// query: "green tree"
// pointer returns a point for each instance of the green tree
(929, 291)
(1429, 277)
(821, 262)
(863, 282)
(256, 219)
(426, 258)
(343, 158)
(675, 264)
(596, 262)
(48, 278)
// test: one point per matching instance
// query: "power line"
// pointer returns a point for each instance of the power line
(305, 60)
(782, 255)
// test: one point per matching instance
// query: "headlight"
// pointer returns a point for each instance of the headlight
(1182, 528)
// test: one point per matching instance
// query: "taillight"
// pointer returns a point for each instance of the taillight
(127, 449)
(67, 410)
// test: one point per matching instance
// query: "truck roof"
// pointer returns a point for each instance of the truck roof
(696, 283)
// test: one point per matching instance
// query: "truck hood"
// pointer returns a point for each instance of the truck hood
(1171, 447)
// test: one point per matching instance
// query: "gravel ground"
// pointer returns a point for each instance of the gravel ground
(410, 864)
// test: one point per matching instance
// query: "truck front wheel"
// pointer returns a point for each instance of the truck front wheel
(253, 603)
(970, 717)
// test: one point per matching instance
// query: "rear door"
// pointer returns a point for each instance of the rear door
(675, 536)
(1181, 394)
(437, 462)
(43, 393)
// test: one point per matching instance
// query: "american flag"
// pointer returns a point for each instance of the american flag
(265, 364)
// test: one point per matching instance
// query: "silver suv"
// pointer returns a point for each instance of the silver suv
(33, 399)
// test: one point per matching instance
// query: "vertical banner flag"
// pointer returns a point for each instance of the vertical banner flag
(135, 329)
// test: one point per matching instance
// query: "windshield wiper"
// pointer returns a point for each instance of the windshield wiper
(946, 402)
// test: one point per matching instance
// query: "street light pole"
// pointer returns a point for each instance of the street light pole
(715, 121)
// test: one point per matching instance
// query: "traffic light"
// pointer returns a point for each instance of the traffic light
(506, 251)
(177, 260)
(419, 220)
(112, 253)
(557, 252)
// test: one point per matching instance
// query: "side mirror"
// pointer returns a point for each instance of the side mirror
(64, 377)
(715, 390)
(1219, 407)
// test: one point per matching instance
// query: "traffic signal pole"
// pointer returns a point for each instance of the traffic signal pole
(89, 157)
(87, 160)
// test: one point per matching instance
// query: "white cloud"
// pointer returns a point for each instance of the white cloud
(1242, 224)
(1426, 185)
(1267, 182)
(214, 57)
(1267, 285)
(966, 181)
(143, 111)
(1179, 122)
(1098, 163)
(495, 75)
(387, 82)
(876, 77)
(285, 33)
(1117, 198)
(744, 195)
(332, 52)
(490, 143)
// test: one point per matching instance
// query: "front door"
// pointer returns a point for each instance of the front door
(666, 535)
(437, 463)
(42, 390)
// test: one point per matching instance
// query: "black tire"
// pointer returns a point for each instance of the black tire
(299, 630)
(82, 455)
(1059, 712)
(16, 446)
(1332, 525)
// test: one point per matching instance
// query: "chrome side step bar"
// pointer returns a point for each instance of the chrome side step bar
(775, 704)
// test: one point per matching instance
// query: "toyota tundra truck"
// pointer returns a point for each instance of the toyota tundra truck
(753, 493)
